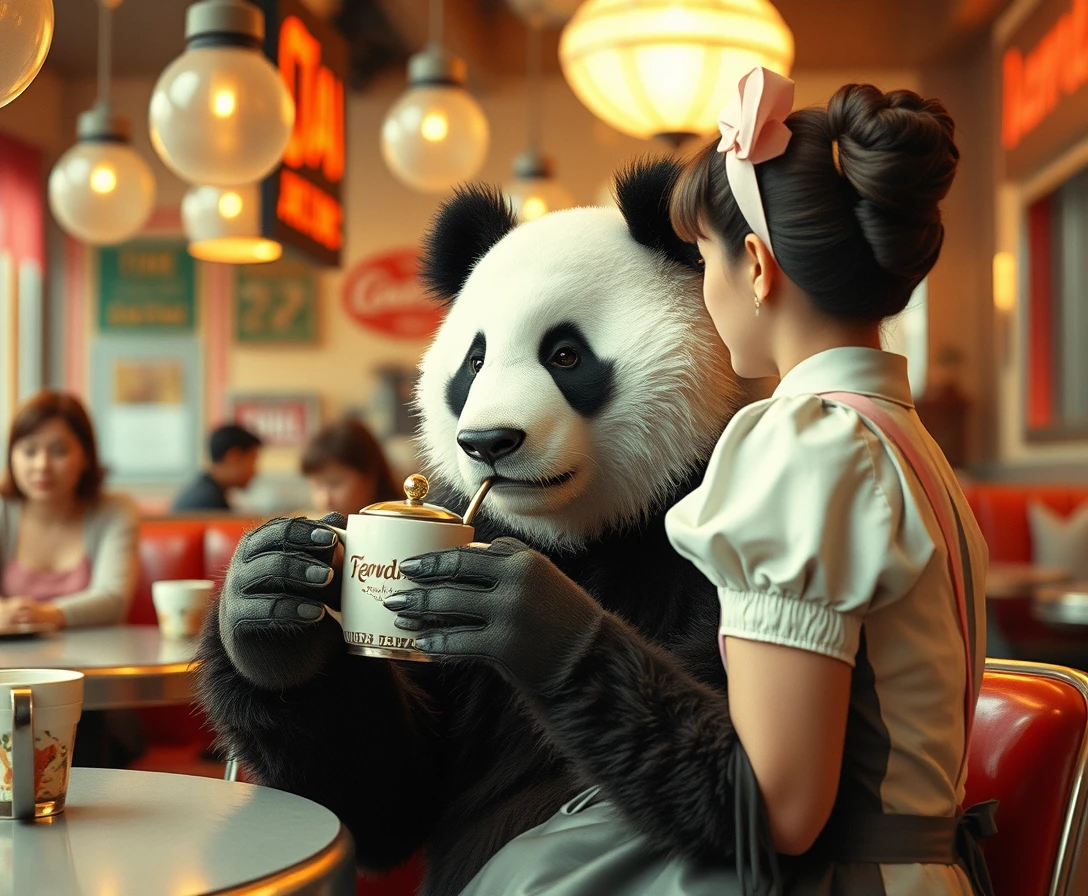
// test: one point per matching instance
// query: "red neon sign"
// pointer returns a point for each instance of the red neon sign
(1033, 83)
(308, 195)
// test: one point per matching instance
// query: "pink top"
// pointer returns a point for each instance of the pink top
(44, 585)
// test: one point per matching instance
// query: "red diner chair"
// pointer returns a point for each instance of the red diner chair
(1029, 750)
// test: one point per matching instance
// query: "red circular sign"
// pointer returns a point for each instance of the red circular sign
(383, 293)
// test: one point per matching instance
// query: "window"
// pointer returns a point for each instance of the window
(1057, 312)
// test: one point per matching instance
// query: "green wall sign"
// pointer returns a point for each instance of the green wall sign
(276, 302)
(146, 287)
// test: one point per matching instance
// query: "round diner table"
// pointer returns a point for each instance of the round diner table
(123, 665)
(1013, 580)
(1062, 604)
(134, 833)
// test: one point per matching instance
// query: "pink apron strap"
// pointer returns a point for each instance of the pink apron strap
(950, 529)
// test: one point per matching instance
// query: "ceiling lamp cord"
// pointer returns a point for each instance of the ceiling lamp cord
(533, 115)
(105, 51)
(435, 28)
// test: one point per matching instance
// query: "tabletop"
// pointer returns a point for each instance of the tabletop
(1020, 579)
(1062, 604)
(123, 665)
(133, 833)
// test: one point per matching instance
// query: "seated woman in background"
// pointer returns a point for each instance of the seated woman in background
(67, 551)
(347, 469)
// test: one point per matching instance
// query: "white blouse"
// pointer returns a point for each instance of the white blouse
(804, 520)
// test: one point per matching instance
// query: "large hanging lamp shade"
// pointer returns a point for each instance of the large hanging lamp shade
(665, 68)
(220, 113)
(26, 31)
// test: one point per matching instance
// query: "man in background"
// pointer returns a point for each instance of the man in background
(233, 451)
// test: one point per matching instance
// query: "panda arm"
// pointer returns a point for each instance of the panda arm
(659, 742)
(337, 740)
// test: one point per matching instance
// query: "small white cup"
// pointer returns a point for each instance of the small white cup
(180, 605)
(39, 710)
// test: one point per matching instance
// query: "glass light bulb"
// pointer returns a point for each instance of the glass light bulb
(101, 192)
(26, 31)
(220, 115)
(533, 197)
(225, 225)
(103, 179)
(435, 136)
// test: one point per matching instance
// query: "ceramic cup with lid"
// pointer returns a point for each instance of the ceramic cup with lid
(377, 539)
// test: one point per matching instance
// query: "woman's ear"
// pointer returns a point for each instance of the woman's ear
(762, 265)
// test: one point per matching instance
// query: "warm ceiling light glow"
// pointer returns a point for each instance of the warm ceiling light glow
(434, 127)
(220, 113)
(666, 67)
(101, 191)
(230, 205)
(103, 180)
(225, 225)
(223, 103)
(1004, 281)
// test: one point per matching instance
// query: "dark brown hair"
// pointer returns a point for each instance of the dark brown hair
(857, 236)
(350, 443)
(40, 409)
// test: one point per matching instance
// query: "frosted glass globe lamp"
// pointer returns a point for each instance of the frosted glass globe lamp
(534, 191)
(665, 68)
(436, 134)
(26, 31)
(101, 191)
(220, 114)
(224, 224)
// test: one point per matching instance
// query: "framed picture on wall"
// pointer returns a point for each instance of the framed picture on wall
(146, 397)
(392, 412)
(281, 420)
(276, 303)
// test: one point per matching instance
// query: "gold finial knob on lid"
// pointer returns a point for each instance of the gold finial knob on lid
(416, 488)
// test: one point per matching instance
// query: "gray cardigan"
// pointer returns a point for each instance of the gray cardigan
(109, 539)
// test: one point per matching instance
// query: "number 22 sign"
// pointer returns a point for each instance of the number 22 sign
(277, 303)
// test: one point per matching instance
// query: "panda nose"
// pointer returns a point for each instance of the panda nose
(489, 445)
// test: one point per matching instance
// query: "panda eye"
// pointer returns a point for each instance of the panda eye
(564, 357)
(476, 363)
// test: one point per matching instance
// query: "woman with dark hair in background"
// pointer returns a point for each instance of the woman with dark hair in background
(347, 469)
(67, 551)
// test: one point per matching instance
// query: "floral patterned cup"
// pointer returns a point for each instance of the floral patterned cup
(39, 710)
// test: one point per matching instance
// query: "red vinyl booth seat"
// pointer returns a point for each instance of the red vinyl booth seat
(1001, 510)
(1029, 750)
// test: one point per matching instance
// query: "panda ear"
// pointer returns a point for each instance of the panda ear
(643, 190)
(463, 230)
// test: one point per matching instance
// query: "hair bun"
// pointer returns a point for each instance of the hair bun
(897, 151)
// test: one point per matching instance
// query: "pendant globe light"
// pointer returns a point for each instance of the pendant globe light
(101, 191)
(665, 68)
(436, 134)
(26, 31)
(220, 114)
(224, 224)
(534, 191)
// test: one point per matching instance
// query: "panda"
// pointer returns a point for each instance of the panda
(577, 366)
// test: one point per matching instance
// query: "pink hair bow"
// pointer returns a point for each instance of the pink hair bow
(753, 131)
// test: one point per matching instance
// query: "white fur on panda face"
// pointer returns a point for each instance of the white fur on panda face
(591, 457)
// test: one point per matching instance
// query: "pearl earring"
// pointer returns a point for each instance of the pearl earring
(758, 303)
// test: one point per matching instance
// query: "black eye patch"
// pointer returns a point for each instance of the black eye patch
(458, 386)
(586, 381)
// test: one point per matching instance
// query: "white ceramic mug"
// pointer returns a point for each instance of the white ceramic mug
(180, 605)
(39, 711)
(374, 546)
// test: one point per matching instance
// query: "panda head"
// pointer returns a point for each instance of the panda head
(576, 364)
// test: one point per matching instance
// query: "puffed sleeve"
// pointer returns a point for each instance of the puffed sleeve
(802, 524)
